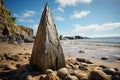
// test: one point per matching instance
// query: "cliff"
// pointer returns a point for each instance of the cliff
(8, 26)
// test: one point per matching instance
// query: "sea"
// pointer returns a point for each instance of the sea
(113, 41)
(102, 39)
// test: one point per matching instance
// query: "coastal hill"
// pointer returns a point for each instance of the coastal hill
(8, 26)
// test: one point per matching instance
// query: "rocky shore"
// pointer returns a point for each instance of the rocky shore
(14, 65)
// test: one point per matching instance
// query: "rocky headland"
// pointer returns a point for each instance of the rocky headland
(14, 64)
(9, 30)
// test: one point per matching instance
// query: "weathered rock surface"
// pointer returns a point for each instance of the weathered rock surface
(47, 51)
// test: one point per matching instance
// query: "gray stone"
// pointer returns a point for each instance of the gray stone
(89, 62)
(47, 51)
(109, 71)
(105, 58)
(81, 59)
(81, 51)
(116, 77)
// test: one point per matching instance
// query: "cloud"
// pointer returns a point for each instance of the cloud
(80, 14)
(60, 9)
(64, 33)
(26, 13)
(24, 16)
(96, 27)
(105, 35)
(25, 20)
(58, 18)
(64, 3)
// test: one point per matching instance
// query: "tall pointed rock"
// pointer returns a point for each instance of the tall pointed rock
(47, 51)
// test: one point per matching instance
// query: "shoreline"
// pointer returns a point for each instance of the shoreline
(72, 50)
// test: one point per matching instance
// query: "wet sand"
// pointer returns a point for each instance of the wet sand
(93, 52)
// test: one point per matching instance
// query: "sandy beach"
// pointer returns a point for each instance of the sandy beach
(72, 50)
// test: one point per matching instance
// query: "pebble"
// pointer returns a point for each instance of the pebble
(62, 73)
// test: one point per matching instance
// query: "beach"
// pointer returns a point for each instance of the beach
(81, 58)
(93, 51)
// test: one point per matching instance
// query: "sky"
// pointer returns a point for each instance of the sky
(90, 18)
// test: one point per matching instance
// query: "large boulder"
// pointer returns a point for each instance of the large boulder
(47, 51)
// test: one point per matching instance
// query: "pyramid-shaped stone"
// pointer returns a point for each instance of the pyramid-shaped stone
(47, 51)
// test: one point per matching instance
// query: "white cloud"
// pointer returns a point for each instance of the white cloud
(60, 9)
(96, 27)
(64, 3)
(23, 17)
(80, 14)
(104, 35)
(64, 33)
(59, 18)
(28, 13)
(25, 20)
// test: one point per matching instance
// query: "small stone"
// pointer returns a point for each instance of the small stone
(89, 62)
(71, 77)
(68, 67)
(81, 59)
(20, 54)
(40, 77)
(52, 76)
(109, 71)
(62, 73)
(82, 75)
(83, 67)
(117, 73)
(84, 78)
(81, 51)
(105, 58)
(116, 77)
(48, 71)
(98, 68)
(10, 66)
(99, 75)
(103, 66)
(29, 77)
(79, 74)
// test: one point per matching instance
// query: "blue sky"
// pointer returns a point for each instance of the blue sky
(91, 18)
